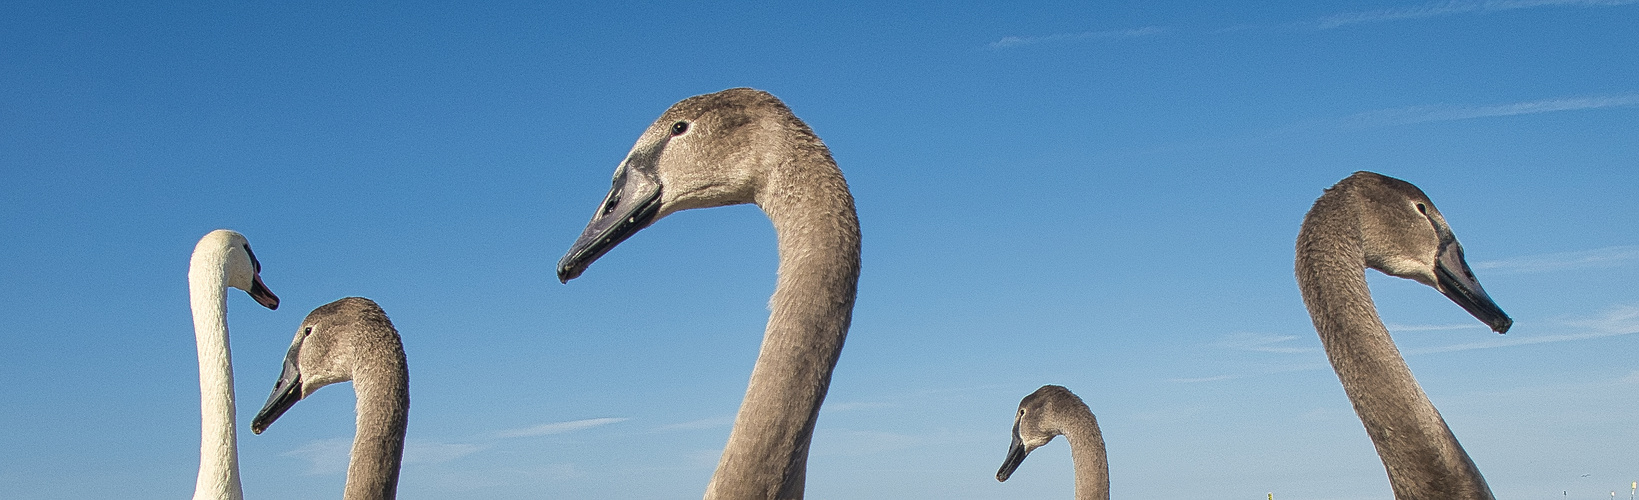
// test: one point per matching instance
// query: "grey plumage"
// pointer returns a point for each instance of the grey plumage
(352, 339)
(1371, 220)
(1054, 411)
(745, 146)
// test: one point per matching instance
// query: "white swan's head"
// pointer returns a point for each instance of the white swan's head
(1405, 236)
(706, 151)
(324, 352)
(1037, 423)
(243, 270)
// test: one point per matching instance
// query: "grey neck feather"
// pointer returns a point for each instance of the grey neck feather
(381, 381)
(1080, 428)
(1091, 463)
(1422, 457)
(812, 211)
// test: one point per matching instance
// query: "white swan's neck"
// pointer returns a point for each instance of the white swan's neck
(1422, 457)
(218, 445)
(813, 215)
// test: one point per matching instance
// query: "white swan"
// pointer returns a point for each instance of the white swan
(222, 259)
(352, 339)
(1376, 221)
(1055, 411)
(744, 146)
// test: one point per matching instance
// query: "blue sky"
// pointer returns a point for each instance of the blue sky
(1102, 196)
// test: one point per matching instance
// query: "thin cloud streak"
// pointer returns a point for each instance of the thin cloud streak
(429, 452)
(1616, 321)
(1608, 257)
(704, 423)
(1515, 341)
(856, 405)
(1016, 41)
(1204, 379)
(1421, 114)
(1453, 8)
(324, 456)
(1271, 370)
(1261, 343)
(1431, 328)
(558, 427)
(1620, 320)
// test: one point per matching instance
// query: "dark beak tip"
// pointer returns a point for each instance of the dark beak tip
(262, 295)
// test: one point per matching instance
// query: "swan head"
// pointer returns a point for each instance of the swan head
(706, 151)
(1036, 424)
(323, 353)
(243, 270)
(1405, 236)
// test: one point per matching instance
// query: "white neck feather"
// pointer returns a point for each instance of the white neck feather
(218, 445)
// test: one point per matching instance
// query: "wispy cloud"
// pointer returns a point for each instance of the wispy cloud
(324, 456)
(429, 452)
(1195, 380)
(704, 423)
(1016, 41)
(1607, 257)
(848, 442)
(1439, 113)
(1451, 8)
(1512, 341)
(330, 456)
(1257, 342)
(1619, 320)
(1430, 328)
(856, 405)
(558, 427)
(1630, 378)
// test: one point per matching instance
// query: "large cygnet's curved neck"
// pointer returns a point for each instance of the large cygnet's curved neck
(381, 382)
(812, 211)
(1423, 458)
(1087, 452)
(218, 445)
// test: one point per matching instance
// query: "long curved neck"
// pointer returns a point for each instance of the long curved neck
(381, 380)
(218, 445)
(1087, 451)
(1423, 458)
(813, 214)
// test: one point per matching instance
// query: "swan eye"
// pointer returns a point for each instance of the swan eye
(679, 128)
(1422, 208)
(254, 264)
(307, 331)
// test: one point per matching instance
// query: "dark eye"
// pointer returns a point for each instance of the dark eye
(1423, 209)
(679, 128)
(307, 331)
(253, 262)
